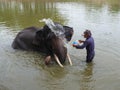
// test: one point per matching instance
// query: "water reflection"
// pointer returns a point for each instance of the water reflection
(113, 5)
(23, 14)
(2, 87)
(87, 77)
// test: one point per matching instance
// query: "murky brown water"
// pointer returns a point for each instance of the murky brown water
(22, 70)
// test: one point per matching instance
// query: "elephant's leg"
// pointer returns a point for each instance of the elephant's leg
(47, 60)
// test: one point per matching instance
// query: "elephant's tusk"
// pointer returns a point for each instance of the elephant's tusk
(58, 60)
(69, 59)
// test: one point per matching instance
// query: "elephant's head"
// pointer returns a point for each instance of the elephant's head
(54, 44)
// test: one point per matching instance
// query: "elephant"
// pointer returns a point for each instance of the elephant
(46, 41)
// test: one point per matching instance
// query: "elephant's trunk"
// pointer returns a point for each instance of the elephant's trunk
(58, 61)
(47, 60)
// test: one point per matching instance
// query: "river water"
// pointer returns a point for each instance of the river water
(23, 70)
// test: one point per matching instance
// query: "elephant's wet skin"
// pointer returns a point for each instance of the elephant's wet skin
(44, 40)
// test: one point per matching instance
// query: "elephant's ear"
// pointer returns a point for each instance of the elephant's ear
(38, 37)
(68, 32)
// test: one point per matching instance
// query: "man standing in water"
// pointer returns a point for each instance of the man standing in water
(89, 44)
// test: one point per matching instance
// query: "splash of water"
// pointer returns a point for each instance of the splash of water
(55, 27)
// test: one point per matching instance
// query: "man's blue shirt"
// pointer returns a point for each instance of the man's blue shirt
(89, 44)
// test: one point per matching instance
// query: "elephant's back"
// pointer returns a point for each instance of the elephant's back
(24, 38)
(29, 31)
(27, 34)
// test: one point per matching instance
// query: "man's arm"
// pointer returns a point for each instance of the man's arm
(81, 41)
(85, 43)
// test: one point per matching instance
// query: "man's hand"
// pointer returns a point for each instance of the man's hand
(74, 45)
(80, 41)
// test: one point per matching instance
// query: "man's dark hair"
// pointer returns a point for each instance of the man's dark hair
(88, 32)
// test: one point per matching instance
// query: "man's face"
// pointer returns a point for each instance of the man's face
(85, 35)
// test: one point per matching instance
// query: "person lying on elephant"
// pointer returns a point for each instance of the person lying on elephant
(89, 44)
